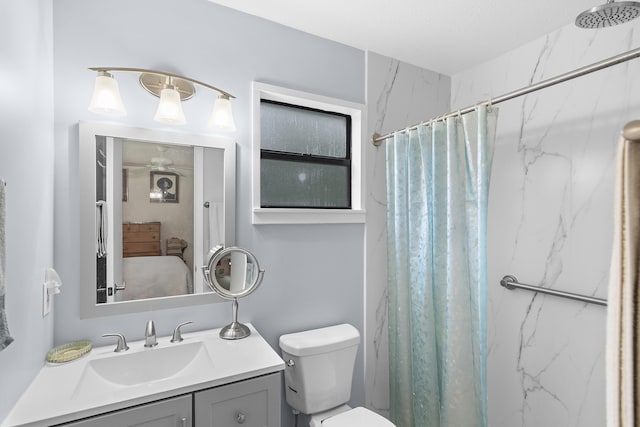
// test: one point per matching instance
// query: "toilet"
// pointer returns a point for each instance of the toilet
(318, 377)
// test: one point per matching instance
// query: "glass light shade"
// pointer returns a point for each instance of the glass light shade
(222, 116)
(170, 109)
(106, 97)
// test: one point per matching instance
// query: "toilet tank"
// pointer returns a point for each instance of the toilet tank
(322, 370)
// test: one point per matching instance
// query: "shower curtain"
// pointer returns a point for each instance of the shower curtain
(437, 189)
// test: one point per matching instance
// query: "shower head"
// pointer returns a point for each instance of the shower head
(609, 14)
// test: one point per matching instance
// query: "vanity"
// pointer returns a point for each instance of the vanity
(154, 206)
(141, 190)
(219, 377)
(203, 380)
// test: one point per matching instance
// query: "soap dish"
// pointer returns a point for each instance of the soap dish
(69, 352)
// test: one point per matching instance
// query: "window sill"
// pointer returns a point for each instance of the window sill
(308, 216)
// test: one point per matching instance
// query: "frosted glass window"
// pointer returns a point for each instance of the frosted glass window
(305, 157)
(303, 185)
(294, 129)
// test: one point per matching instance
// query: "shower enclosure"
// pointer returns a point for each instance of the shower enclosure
(549, 223)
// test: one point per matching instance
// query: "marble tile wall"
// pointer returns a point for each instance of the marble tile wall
(398, 94)
(550, 221)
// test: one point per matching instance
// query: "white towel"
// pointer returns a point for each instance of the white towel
(212, 228)
(5, 337)
(623, 310)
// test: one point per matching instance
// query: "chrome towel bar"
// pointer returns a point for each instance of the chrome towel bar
(510, 282)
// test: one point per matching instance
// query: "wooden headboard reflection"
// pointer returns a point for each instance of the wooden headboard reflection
(141, 239)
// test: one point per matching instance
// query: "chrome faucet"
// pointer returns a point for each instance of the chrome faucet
(150, 335)
(177, 335)
(122, 342)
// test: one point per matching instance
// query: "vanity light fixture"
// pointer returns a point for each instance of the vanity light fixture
(170, 109)
(171, 88)
(222, 116)
(106, 96)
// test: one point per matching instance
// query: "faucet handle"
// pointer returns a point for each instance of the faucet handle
(122, 342)
(177, 335)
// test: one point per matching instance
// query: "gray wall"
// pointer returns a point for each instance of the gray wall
(26, 163)
(314, 274)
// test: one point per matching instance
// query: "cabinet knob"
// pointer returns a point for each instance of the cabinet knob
(184, 422)
(240, 418)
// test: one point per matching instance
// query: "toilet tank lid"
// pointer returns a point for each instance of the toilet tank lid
(322, 340)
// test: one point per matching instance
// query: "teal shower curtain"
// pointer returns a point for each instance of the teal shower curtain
(437, 189)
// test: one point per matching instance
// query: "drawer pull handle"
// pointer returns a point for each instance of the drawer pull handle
(240, 418)
(184, 422)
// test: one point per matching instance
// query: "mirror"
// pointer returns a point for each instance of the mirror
(233, 273)
(153, 204)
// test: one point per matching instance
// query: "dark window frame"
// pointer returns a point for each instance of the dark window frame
(345, 161)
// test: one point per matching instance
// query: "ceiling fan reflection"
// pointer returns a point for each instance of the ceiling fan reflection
(159, 164)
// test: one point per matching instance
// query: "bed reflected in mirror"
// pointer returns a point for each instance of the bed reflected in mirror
(153, 204)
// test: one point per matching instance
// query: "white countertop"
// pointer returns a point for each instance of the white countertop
(62, 392)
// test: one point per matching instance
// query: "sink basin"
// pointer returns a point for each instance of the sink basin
(152, 364)
(145, 366)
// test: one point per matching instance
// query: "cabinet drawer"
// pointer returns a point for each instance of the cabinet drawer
(141, 236)
(250, 403)
(150, 226)
(165, 413)
(141, 248)
(147, 226)
(130, 228)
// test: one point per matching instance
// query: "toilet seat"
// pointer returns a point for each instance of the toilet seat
(357, 417)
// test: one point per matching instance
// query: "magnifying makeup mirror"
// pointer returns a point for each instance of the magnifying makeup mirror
(232, 273)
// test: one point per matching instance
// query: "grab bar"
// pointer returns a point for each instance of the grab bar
(510, 282)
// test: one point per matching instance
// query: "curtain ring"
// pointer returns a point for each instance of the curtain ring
(490, 106)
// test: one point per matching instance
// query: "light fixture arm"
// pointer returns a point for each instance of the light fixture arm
(161, 74)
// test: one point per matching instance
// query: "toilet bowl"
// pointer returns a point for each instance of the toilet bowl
(318, 377)
(347, 417)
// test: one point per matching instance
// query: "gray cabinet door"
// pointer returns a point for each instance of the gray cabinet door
(175, 412)
(250, 403)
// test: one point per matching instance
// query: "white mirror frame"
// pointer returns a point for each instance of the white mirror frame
(87, 152)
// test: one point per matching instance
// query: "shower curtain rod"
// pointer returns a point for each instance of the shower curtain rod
(579, 72)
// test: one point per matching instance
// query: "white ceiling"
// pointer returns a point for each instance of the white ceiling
(444, 36)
